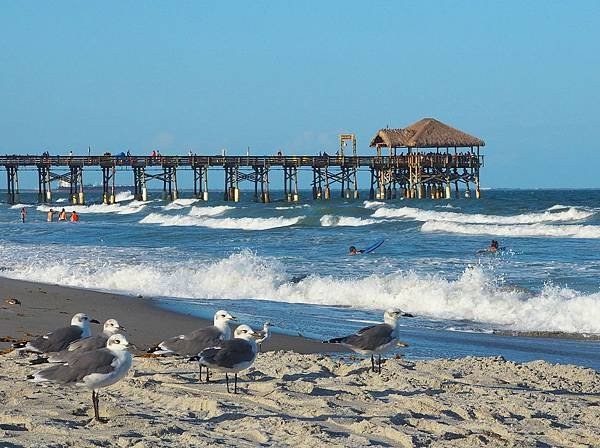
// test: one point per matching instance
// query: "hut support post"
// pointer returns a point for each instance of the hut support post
(327, 194)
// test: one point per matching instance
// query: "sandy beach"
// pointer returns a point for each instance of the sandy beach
(287, 398)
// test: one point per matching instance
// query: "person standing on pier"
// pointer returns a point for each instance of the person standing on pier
(23, 214)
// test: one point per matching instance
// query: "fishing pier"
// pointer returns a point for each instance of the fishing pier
(435, 160)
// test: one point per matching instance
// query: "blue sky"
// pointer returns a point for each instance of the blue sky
(524, 76)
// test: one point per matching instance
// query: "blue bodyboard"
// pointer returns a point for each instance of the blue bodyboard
(373, 246)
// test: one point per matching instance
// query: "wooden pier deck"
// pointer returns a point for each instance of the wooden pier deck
(411, 175)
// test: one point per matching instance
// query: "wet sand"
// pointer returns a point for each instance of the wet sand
(45, 307)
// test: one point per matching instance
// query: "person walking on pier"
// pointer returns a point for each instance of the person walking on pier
(23, 214)
(50, 215)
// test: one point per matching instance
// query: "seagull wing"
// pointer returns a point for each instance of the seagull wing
(87, 344)
(370, 338)
(193, 343)
(80, 366)
(57, 340)
(228, 353)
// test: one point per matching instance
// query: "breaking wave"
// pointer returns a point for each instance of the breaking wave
(210, 211)
(121, 209)
(473, 296)
(570, 214)
(529, 230)
(219, 223)
(345, 221)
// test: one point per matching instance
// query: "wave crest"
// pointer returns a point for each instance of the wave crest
(473, 296)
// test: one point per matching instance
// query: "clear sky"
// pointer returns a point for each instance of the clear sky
(291, 75)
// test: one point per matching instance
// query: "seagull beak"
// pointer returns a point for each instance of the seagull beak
(406, 315)
(401, 344)
(121, 327)
(133, 346)
(94, 321)
(194, 358)
(230, 317)
(256, 335)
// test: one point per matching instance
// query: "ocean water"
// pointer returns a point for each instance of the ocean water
(289, 264)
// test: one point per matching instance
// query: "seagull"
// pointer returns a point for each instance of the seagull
(59, 339)
(231, 356)
(376, 339)
(91, 370)
(264, 335)
(193, 343)
(111, 326)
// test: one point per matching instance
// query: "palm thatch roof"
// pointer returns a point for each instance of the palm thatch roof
(391, 138)
(425, 133)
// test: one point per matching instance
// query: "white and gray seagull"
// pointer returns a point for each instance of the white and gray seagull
(193, 343)
(92, 370)
(59, 339)
(231, 356)
(264, 335)
(376, 339)
(98, 341)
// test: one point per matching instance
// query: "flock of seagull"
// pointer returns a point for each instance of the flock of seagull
(93, 362)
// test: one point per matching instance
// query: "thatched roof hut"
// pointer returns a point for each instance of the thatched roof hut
(425, 133)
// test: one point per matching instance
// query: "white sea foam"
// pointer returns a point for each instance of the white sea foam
(292, 207)
(570, 214)
(474, 296)
(180, 203)
(18, 206)
(345, 221)
(121, 209)
(123, 196)
(61, 200)
(524, 230)
(210, 211)
(373, 204)
(558, 207)
(244, 223)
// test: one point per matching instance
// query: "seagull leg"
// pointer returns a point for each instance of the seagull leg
(200, 373)
(96, 405)
(372, 364)
(379, 363)
(235, 385)
(207, 375)
(227, 380)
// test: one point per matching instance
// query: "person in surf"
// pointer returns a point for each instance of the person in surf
(493, 246)
(355, 251)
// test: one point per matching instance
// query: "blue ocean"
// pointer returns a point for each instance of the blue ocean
(288, 263)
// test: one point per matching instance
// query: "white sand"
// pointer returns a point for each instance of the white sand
(312, 401)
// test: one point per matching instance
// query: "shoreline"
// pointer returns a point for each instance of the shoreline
(45, 307)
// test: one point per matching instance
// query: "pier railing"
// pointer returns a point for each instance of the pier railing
(402, 161)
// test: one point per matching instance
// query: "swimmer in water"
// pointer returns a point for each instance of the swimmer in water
(493, 246)
(355, 251)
